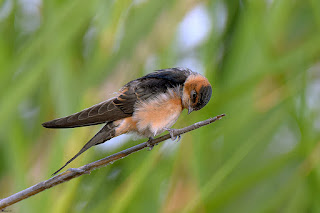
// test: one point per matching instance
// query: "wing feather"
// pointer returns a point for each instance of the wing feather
(100, 113)
(123, 105)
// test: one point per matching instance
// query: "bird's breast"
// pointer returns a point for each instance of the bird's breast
(153, 116)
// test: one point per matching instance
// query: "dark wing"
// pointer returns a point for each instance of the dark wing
(123, 106)
(100, 113)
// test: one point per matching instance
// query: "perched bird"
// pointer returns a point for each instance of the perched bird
(147, 106)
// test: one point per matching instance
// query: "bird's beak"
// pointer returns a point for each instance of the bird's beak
(190, 110)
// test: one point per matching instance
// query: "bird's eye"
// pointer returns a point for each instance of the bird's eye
(193, 96)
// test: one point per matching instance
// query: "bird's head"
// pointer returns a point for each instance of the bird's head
(196, 92)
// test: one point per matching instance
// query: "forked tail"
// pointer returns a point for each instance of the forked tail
(106, 133)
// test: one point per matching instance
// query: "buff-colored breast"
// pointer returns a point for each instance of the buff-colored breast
(153, 116)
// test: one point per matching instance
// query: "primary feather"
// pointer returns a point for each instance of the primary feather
(97, 114)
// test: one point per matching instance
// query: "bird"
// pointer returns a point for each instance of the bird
(147, 106)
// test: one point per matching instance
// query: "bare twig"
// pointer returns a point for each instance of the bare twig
(86, 169)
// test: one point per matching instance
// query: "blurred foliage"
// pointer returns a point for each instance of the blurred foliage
(262, 57)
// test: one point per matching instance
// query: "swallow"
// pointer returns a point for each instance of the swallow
(147, 106)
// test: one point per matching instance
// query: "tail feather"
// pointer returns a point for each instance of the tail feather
(106, 133)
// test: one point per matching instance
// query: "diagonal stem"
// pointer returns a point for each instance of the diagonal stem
(86, 169)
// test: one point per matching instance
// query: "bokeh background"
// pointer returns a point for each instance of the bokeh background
(262, 58)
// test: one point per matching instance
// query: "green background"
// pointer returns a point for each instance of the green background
(262, 58)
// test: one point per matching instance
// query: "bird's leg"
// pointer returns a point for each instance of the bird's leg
(173, 134)
(149, 145)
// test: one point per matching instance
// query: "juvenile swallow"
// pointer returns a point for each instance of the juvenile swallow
(147, 106)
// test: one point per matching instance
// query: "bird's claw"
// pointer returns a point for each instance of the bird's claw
(149, 145)
(173, 134)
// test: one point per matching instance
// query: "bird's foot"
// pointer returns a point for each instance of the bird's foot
(149, 145)
(76, 170)
(173, 134)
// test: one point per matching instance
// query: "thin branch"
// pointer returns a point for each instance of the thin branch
(86, 169)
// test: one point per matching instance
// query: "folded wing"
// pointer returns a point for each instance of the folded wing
(123, 105)
(100, 113)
